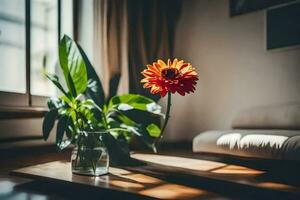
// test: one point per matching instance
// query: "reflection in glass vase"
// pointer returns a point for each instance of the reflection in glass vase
(90, 156)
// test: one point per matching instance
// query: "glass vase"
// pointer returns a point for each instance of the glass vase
(90, 158)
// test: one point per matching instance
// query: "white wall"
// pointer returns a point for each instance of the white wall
(235, 70)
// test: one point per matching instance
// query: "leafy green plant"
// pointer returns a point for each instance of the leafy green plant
(84, 108)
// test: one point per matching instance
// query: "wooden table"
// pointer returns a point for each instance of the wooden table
(164, 177)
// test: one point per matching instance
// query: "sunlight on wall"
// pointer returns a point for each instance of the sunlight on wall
(235, 70)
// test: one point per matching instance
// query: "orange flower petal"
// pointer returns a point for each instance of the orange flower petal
(161, 63)
(179, 64)
(175, 76)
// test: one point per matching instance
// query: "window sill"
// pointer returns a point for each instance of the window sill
(22, 112)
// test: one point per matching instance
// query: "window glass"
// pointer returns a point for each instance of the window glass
(67, 17)
(44, 45)
(12, 46)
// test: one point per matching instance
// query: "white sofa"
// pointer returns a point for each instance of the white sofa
(270, 132)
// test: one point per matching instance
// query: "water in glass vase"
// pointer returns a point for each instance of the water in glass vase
(93, 161)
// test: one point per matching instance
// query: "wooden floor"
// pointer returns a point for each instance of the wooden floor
(204, 180)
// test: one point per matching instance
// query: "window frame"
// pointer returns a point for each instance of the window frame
(16, 102)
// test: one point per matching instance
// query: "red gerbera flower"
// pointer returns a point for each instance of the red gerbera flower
(176, 76)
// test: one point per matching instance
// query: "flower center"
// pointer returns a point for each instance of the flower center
(169, 73)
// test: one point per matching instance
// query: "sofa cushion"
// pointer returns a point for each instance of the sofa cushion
(266, 144)
(286, 116)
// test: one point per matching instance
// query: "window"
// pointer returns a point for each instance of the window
(12, 46)
(29, 35)
(43, 45)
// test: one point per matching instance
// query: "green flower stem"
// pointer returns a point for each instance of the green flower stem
(79, 142)
(93, 165)
(78, 146)
(166, 119)
(104, 118)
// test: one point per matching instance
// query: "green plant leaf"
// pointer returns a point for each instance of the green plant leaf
(73, 66)
(55, 103)
(70, 129)
(61, 128)
(66, 99)
(54, 79)
(134, 101)
(135, 128)
(153, 130)
(64, 144)
(89, 104)
(48, 122)
(94, 88)
(118, 150)
(113, 85)
(126, 120)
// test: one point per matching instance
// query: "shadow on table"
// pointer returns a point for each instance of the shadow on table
(37, 189)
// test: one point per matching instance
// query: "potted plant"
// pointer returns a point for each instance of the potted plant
(97, 125)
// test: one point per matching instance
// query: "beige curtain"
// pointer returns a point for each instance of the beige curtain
(110, 41)
(151, 36)
(127, 35)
